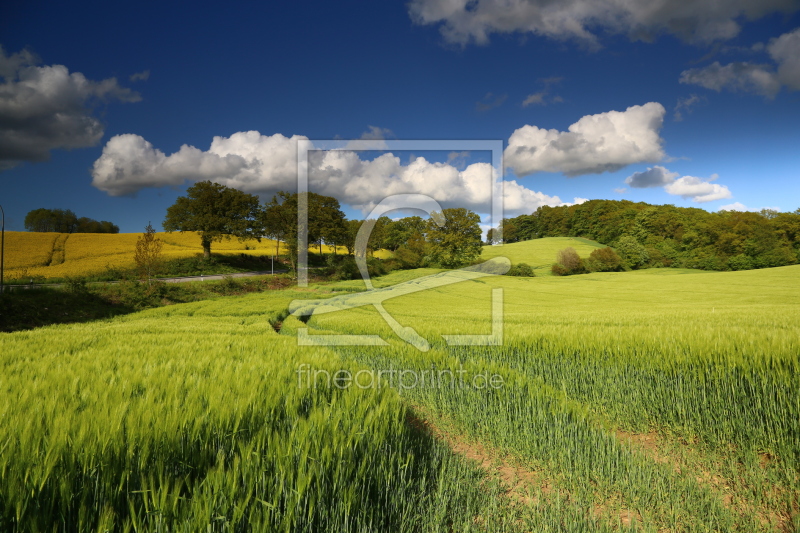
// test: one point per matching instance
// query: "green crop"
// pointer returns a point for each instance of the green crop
(660, 400)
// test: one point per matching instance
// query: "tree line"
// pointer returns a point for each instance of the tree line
(65, 221)
(218, 212)
(646, 235)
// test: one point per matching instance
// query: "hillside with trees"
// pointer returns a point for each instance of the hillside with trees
(647, 235)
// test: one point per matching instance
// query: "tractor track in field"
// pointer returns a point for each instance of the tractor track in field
(729, 491)
(523, 486)
(58, 253)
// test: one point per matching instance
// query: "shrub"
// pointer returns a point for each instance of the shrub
(604, 260)
(229, 285)
(137, 295)
(522, 270)
(76, 285)
(568, 262)
(740, 262)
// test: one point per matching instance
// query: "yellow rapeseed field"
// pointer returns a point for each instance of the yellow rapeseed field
(58, 255)
(23, 249)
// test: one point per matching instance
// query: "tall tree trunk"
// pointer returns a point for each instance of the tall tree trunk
(206, 247)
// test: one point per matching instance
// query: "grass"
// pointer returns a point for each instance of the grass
(189, 418)
(540, 253)
(658, 400)
(706, 361)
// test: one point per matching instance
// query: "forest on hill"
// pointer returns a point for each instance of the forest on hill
(668, 236)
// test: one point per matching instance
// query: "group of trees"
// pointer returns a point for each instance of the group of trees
(66, 221)
(218, 212)
(568, 262)
(647, 235)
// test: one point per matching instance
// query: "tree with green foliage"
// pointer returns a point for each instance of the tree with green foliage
(326, 221)
(216, 212)
(633, 254)
(351, 231)
(457, 241)
(148, 257)
(398, 232)
(279, 221)
(604, 260)
(65, 221)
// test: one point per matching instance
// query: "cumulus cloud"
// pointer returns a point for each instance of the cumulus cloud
(738, 206)
(47, 107)
(596, 143)
(656, 176)
(698, 189)
(262, 164)
(362, 183)
(759, 78)
(247, 161)
(735, 206)
(465, 21)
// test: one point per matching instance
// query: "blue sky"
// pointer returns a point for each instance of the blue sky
(707, 97)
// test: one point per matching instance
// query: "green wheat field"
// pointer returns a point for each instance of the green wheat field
(661, 400)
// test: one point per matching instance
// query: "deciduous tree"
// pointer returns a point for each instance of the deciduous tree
(148, 257)
(216, 212)
(457, 241)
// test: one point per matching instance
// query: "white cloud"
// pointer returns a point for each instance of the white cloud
(47, 107)
(764, 79)
(738, 206)
(596, 143)
(620, 190)
(465, 21)
(656, 176)
(698, 189)
(261, 164)
(518, 200)
(248, 161)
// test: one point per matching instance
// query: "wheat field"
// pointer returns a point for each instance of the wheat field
(659, 400)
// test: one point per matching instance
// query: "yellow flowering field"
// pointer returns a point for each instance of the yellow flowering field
(29, 254)
(24, 249)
